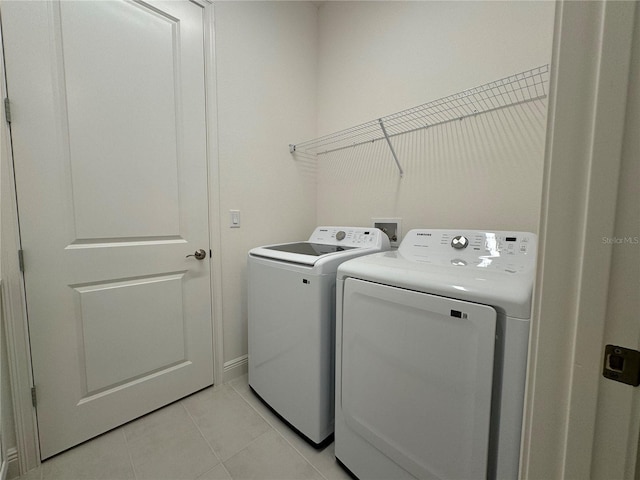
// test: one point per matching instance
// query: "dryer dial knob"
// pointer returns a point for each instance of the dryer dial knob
(460, 242)
(340, 235)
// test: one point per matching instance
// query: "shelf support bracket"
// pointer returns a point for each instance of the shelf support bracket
(393, 152)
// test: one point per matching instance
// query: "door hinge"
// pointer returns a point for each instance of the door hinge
(34, 398)
(21, 260)
(7, 110)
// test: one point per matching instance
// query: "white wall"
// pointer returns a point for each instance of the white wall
(283, 65)
(266, 79)
(377, 58)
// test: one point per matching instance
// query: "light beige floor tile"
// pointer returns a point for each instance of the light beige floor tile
(225, 419)
(168, 445)
(261, 408)
(270, 457)
(240, 384)
(323, 459)
(35, 474)
(158, 423)
(159, 430)
(105, 457)
(186, 459)
(219, 472)
(273, 420)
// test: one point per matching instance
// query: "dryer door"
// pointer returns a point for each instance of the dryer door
(417, 374)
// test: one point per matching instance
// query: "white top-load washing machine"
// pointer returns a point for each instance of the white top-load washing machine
(291, 302)
(431, 353)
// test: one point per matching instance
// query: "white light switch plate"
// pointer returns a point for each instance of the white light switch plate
(234, 218)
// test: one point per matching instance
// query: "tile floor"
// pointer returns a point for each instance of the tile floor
(221, 433)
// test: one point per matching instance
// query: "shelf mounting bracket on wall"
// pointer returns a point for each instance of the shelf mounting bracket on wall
(513, 90)
(393, 152)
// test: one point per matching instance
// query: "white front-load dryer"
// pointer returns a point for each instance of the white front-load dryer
(431, 349)
(291, 328)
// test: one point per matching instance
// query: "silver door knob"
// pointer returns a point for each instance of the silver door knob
(199, 254)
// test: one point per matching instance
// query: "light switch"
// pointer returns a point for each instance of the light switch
(234, 218)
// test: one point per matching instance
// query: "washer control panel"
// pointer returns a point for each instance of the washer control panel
(349, 236)
(508, 251)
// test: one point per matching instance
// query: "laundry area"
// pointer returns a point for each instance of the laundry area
(319, 239)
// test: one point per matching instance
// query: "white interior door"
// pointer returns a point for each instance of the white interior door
(109, 141)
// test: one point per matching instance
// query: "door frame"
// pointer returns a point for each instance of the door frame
(13, 291)
(592, 50)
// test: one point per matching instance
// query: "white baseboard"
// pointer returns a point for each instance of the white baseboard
(13, 464)
(235, 368)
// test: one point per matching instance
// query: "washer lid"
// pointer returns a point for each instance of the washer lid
(308, 248)
(305, 253)
(493, 268)
(326, 244)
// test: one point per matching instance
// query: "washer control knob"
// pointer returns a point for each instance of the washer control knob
(460, 242)
(340, 235)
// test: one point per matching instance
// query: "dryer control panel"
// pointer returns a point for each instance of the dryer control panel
(508, 251)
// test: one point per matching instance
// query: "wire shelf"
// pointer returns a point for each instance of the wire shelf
(512, 90)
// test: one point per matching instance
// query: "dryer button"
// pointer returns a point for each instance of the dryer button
(460, 242)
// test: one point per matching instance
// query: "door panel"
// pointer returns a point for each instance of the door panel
(109, 142)
(123, 112)
(117, 317)
(416, 379)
